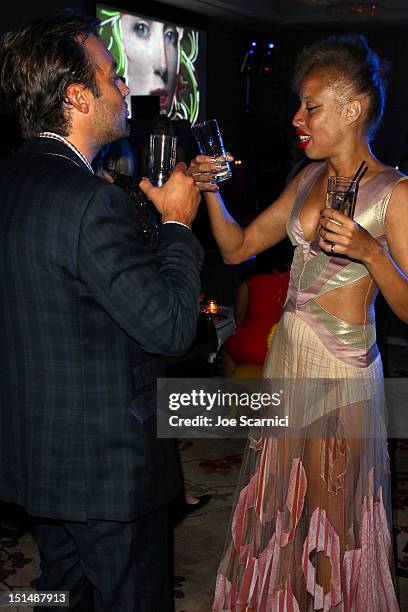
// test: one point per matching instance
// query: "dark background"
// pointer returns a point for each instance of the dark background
(272, 103)
(259, 137)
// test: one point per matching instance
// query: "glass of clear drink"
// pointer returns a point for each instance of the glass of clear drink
(341, 194)
(162, 158)
(209, 141)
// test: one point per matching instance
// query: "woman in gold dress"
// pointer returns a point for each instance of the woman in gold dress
(311, 525)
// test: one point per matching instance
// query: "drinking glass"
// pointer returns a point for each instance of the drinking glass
(341, 194)
(209, 141)
(162, 158)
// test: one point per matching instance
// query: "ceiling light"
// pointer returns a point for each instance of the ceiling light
(317, 2)
(356, 9)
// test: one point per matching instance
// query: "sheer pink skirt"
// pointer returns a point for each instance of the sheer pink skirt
(311, 525)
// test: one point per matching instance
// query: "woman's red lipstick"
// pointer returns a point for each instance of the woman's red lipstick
(304, 139)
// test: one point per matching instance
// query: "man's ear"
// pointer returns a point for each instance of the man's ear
(352, 111)
(78, 96)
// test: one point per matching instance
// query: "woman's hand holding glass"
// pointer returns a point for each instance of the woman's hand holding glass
(340, 235)
(203, 168)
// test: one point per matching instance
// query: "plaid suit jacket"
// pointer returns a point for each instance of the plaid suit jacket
(85, 309)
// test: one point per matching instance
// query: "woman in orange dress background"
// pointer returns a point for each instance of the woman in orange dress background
(259, 304)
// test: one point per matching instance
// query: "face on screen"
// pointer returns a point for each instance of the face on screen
(153, 56)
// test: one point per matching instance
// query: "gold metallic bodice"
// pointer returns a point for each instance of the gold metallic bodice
(315, 273)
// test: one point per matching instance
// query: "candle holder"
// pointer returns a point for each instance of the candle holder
(212, 306)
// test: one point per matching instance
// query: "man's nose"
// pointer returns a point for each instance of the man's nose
(124, 89)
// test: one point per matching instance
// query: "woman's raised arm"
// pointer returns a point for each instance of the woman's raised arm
(236, 243)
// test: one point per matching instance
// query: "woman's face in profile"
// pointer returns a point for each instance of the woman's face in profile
(152, 51)
(319, 121)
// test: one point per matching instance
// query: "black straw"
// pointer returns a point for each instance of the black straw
(362, 169)
(357, 176)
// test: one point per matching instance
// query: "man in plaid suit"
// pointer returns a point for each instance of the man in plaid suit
(85, 309)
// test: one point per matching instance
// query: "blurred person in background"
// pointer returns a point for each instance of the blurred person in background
(116, 163)
(258, 307)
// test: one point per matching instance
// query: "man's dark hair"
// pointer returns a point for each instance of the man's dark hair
(39, 61)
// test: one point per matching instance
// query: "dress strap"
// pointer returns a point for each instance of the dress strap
(376, 189)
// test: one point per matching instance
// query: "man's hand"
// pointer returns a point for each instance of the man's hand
(179, 197)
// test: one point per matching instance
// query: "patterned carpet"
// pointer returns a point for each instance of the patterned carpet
(400, 507)
(210, 466)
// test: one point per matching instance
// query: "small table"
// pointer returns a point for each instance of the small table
(212, 331)
(224, 324)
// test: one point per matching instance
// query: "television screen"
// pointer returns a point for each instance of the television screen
(157, 58)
